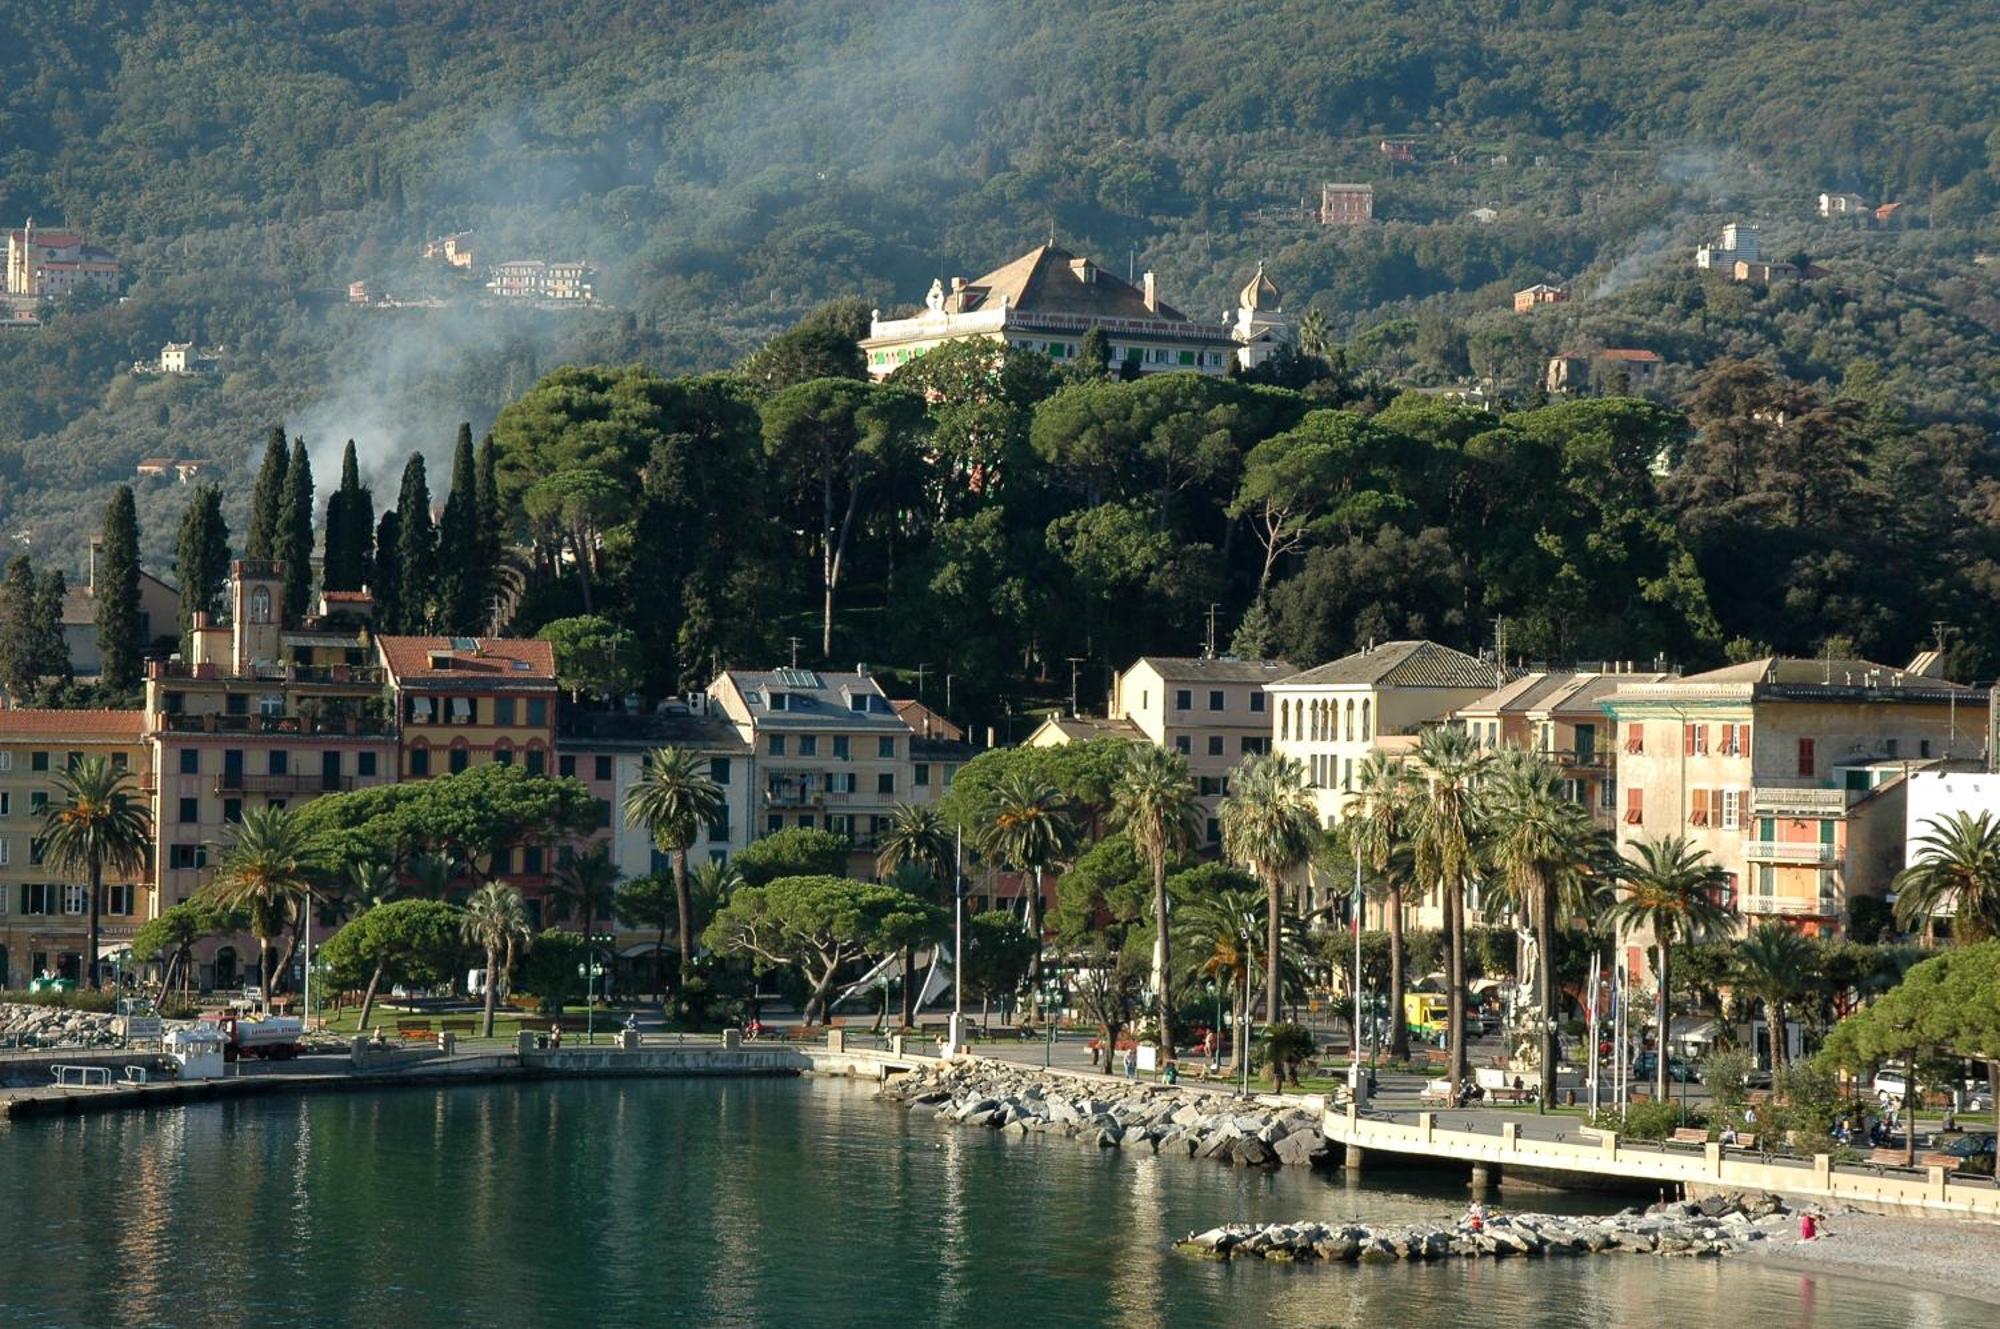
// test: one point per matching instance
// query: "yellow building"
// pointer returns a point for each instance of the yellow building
(1775, 768)
(44, 917)
(827, 751)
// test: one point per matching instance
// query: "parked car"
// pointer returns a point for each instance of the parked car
(1891, 1084)
(1646, 1066)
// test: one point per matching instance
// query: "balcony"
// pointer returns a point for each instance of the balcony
(1809, 853)
(294, 726)
(801, 791)
(283, 784)
(1787, 906)
(1805, 798)
(269, 672)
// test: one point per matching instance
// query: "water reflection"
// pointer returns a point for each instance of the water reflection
(751, 1204)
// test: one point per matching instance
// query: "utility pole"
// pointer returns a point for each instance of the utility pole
(795, 651)
(1074, 662)
(922, 669)
(1208, 652)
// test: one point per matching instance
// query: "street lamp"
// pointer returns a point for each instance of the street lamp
(1355, 1082)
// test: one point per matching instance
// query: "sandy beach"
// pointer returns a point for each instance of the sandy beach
(1961, 1259)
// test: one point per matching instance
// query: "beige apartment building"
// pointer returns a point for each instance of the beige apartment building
(1560, 714)
(1213, 710)
(827, 751)
(1332, 716)
(45, 917)
(1781, 769)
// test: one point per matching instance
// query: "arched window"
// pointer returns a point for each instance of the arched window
(1284, 720)
(1364, 721)
(1350, 721)
(260, 604)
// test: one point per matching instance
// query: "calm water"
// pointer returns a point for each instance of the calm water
(797, 1203)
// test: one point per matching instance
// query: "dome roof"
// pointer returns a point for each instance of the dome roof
(1261, 293)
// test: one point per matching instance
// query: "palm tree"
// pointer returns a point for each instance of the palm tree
(1028, 827)
(1314, 335)
(431, 875)
(1153, 801)
(1956, 870)
(495, 920)
(1778, 966)
(1538, 839)
(1671, 888)
(673, 799)
(917, 839)
(96, 822)
(1450, 766)
(1219, 935)
(1378, 826)
(268, 872)
(589, 881)
(1270, 825)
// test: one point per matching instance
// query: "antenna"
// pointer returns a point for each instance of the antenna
(795, 651)
(1499, 650)
(1074, 661)
(922, 669)
(1208, 647)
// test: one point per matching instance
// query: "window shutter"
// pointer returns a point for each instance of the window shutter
(1687, 740)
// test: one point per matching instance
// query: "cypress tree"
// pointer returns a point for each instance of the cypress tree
(489, 506)
(387, 593)
(117, 593)
(350, 529)
(295, 544)
(416, 550)
(459, 580)
(18, 630)
(51, 647)
(267, 502)
(201, 559)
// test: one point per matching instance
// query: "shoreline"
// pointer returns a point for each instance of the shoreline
(1949, 1258)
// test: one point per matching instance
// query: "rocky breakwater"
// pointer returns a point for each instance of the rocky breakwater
(1110, 1115)
(55, 1027)
(1714, 1227)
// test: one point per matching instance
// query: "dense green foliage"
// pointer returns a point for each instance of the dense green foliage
(727, 166)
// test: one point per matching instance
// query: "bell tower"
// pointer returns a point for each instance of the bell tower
(256, 611)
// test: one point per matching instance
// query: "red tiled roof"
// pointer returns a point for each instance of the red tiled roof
(495, 659)
(53, 239)
(345, 595)
(80, 725)
(1640, 356)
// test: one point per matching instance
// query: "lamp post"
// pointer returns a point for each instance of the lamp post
(1243, 1034)
(1355, 1075)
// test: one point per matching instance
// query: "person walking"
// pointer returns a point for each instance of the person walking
(1131, 1063)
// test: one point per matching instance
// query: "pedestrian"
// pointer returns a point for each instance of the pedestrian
(1750, 1115)
(1950, 1118)
(555, 1034)
(1131, 1063)
(1808, 1226)
(1475, 1217)
(1728, 1136)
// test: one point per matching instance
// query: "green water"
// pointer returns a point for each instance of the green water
(745, 1203)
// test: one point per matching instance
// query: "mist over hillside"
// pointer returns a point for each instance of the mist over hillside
(725, 167)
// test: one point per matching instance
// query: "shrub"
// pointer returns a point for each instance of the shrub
(1727, 1074)
(98, 1003)
(1644, 1121)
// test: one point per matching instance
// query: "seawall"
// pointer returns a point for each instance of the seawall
(396, 1070)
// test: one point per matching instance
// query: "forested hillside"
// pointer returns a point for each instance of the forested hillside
(728, 166)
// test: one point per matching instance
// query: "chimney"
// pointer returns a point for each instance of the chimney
(861, 668)
(957, 285)
(1152, 294)
(1085, 273)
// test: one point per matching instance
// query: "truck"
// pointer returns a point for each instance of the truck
(1426, 1013)
(272, 1038)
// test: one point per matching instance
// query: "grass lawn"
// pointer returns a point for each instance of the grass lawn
(507, 1021)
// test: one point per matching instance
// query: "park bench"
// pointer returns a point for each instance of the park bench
(1885, 1158)
(1746, 1141)
(1949, 1162)
(1510, 1095)
(1694, 1135)
(1437, 1091)
(407, 1025)
(456, 1026)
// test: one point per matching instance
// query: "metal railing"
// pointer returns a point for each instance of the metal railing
(1790, 906)
(360, 726)
(302, 783)
(1782, 851)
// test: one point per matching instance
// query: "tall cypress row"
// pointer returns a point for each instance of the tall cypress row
(459, 581)
(384, 587)
(489, 507)
(416, 549)
(201, 559)
(295, 544)
(117, 593)
(267, 501)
